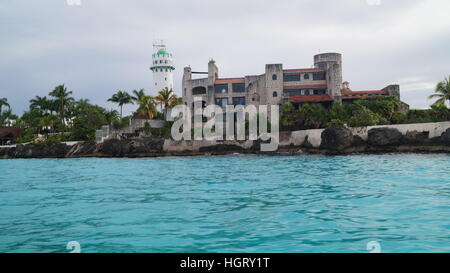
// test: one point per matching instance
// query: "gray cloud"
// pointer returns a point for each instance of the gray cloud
(106, 45)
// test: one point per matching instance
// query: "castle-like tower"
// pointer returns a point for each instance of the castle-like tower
(162, 69)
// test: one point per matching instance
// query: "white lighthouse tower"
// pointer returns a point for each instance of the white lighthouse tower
(162, 68)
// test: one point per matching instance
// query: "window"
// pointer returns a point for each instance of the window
(199, 90)
(221, 88)
(239, 101)
(316, 92)
(293, 92)
(160, 61)
(274, 94)
(291, 77)
(274, 77)
(319, 76)
(238, 87)
(306, 92)
(222, 102)
(306, 77)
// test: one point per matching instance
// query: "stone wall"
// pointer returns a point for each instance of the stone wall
(297, 138)
(135, 124)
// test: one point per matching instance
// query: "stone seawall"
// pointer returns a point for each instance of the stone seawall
(426, 137)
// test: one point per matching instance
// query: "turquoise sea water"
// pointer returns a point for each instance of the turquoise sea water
(227, 204)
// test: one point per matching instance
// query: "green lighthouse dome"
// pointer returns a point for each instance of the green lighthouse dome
(163, 52)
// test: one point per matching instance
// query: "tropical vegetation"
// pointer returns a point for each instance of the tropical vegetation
(59, 116)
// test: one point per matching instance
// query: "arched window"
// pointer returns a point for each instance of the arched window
(306, 77)
(307, 92)
(274, 94)
(274, 77)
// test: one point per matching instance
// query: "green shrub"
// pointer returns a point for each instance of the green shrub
(399, 118)
(365, 117)
(335, 122)
(147, 127)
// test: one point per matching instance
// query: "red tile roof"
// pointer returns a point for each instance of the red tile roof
(304, 70)
(312, 98)
(305, 86)
(228, 80)
(10, 132)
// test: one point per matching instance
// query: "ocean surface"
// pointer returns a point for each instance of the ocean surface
(227, 204)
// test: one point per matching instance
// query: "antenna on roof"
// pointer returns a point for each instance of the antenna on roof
(159, 44)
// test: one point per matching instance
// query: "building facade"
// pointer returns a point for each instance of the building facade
(162, 68)
(321, 84)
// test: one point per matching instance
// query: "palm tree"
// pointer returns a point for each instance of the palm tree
(4, 102)
(138, 94)
(111, 116)
(176, 101)
(121, 98)
(147, 106)
(63, 98)
(442, 91)
(41, 103)
(165, 98)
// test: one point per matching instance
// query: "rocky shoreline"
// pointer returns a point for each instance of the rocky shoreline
(335, 140)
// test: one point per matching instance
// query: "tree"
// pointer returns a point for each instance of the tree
(41, 103)
(364, 117)
(147, 106)
(48, 123)
(112, 116)
(313, 115)
(121, 98)
(4, 102)
(176, 101)
(87, 121)
(138, 95)
(165, 98)
(6, 116)
(63, 98)
(442, 91)
(289, 115)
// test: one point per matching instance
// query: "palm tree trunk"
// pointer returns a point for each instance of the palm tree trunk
(121, 111)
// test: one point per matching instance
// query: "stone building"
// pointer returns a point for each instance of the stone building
(321, 84)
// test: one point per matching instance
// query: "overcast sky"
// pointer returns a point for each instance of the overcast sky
(103, 46)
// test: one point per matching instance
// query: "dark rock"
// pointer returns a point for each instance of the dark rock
(358, 141)
(445, 137)
(41, 150)
(416, 138)
(122, 148)
(384, 137)
(256, 147)
(146, 146)
(336, 138)
(82, 149)
(114, 147)
(307, 144)
(220, 148)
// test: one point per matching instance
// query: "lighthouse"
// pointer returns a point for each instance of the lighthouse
(162, 68)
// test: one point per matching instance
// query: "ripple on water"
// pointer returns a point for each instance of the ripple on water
(227, 204)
